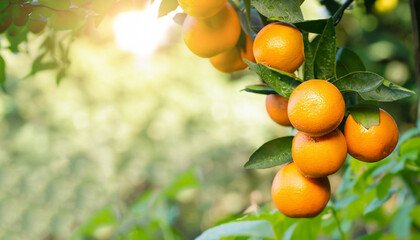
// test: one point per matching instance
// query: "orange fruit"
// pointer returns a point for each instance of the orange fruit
(280, 45)
(316, 107)
(373, 144)
(298, 196)
(276, 107)
(211, 36)
(202, 8)
(319, 156)
(231, 60)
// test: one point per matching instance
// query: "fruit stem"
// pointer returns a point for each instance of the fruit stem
(415, 20)
(337, 220)
(339, 13)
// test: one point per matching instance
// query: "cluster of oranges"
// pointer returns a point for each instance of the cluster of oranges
(212, 30)
(315, 108)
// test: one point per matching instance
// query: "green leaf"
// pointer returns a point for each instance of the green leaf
(343, 203)
(347, 62)
(307, 229)
(358, 82)
(387, 92)
(167, 6)
(186, 180)
(411, 146)
(2, 74)
(309, 58)
(256, 229)
(283, 83)
(260, 89)
(313, 26)
(324, 60)
(60, 75)
(67, 20)
(282, 10)
(376, 202)
(367, 115)
(103, 217)
(272, 153)
(384, 185)
(415, 215)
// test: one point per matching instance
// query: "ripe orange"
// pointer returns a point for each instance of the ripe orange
(316, 107)
(202, 8)
(319, 156)
(373, 144)
(276, 107)
(211, 36)
(231, 60)
(298, 196)
(280, 45)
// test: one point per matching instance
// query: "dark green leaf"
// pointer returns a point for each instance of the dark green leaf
(367, 115)
(256, 229)
(384, 185)
(359, 82)
(282, 10)
(324, 59)
(283, 83)
(347, 62)
(167, 6)
(260, 89)
(387, 92)
(376, 202)
(313, 26)
(2, 74)
(272, 153)
(309, 59)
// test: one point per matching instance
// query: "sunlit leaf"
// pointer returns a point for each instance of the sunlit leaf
(282, 10)
(367, 115)
(272, 153)
(256, 229)
(167, 6)
(373, 236)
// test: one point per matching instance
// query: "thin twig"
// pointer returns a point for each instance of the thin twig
(339, 13)
(415, 16)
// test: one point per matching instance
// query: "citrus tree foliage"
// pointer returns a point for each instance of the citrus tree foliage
(364, 188)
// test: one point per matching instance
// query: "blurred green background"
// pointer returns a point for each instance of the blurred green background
(158, 140)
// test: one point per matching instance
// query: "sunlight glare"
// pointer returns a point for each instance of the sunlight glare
(141, 32)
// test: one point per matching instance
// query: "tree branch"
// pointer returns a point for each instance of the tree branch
(339, 13)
